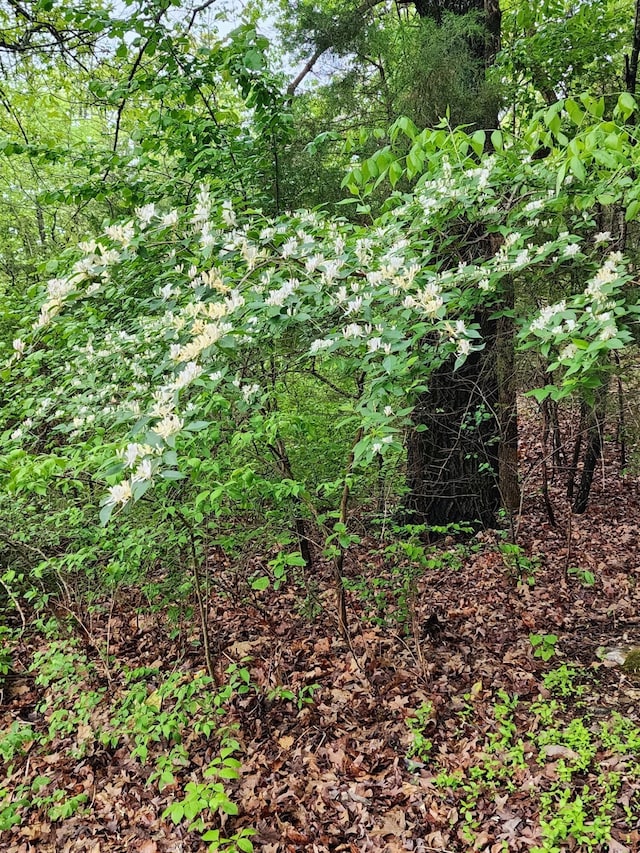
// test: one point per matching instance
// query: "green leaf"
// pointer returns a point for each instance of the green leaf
(540, 394)
(632, 210)
(196, 426)
(260, 583)
(577, 167)
(105, 514)
(395, 172)
(574, 112)
(626, 105)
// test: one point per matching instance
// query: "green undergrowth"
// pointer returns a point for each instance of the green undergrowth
(160, 723)
(563, 764)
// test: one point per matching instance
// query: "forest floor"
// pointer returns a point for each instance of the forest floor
(479, 713)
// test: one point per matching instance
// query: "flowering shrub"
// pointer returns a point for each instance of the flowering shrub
(204, 351)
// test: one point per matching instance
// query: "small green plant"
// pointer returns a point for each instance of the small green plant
(14, 740)
(563, 681)
(209, 797)
(63, 807)
(5, 652)
(304, 696)
(418, 723)
(544, 645)
(503, 711)
(520, 567)
(586, 577)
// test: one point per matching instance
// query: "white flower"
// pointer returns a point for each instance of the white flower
(521, 258)
(533, 205)
(279, 296)
(120, 493)
(602, 237)
(190, 372)
(166, 292)
(512, 239)
(133, 452)
(609, 331)
(319, 344)
(568, 352)
(19, 346)
(170, 219)
(203, 207)
(143, 472)
(289, 247)
(122, 234)
(464, 346)
(428, 299)
(235, 300)
(228, 214)
(249, 391)
(169, 425)
(331, 270)
(376, 447)
(58, 288)
(16, 434)
(571, 250)
(353, 330)
(313, 262)
(353, 306)
(374, 344)
(145, 214)
(388, 411)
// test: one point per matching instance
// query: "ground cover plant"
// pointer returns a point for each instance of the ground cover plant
(454, 737)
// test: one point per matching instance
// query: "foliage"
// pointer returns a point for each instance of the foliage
(544, 645)
(206, 380)
(157, 719)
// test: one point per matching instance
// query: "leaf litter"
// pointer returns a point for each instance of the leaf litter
(327, 755)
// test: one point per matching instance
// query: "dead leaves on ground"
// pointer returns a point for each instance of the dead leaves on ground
(332, 775)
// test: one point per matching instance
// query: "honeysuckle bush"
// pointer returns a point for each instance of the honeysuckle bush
(216, 369)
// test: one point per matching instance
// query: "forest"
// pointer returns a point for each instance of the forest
(319, 426)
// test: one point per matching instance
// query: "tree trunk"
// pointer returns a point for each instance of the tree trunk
(463, 462)
(593, 452)
(453, 461)
(507, 408)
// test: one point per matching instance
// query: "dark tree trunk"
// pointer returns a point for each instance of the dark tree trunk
(631, 60)
(453, 462)
(463, 463)
(507, 409)
(593, 452)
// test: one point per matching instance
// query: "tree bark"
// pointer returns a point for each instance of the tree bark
(507, 408)
(453, 460)
(631, 61)
(463, 463)
(593, 452)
